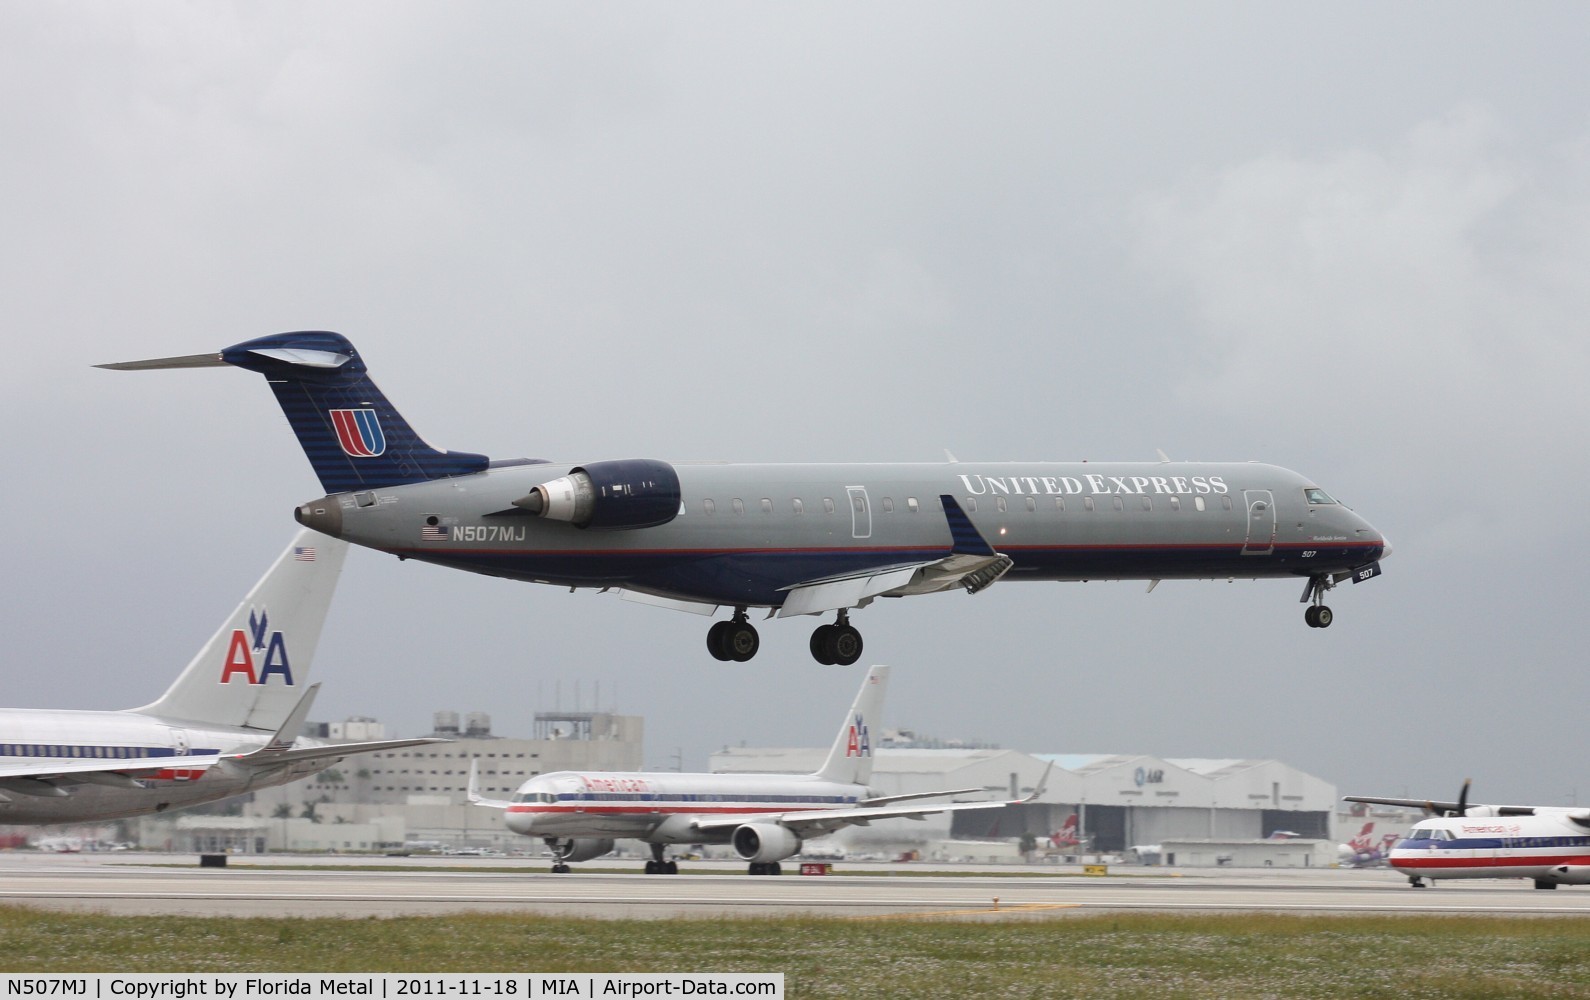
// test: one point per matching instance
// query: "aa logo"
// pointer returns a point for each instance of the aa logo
(858, 743)
(256, 654)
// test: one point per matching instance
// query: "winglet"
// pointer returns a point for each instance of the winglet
(965, 537)
(473, 794)
(288, 733)
(1043, 783)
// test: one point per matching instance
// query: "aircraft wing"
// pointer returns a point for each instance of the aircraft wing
(885, 799)
(270, 757)
(46, 778)
(811, 822)
(972, 563)
(1445, 808)
(1430, 804)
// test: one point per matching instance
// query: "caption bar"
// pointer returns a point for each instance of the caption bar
(392, 986)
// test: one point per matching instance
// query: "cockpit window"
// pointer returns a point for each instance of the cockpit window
(1418, 834)
(1315, 495)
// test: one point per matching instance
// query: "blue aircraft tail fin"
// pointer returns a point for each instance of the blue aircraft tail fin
(352, 435)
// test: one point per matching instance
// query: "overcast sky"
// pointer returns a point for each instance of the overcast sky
(1350, 239)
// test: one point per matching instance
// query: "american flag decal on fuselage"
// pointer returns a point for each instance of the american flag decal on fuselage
(359, 432)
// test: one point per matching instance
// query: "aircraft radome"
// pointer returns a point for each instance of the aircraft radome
(1550, 844)
(226, 726)
(794, 539)
(764, 816)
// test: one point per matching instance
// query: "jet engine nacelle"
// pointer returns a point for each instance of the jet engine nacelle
(763, 842)
(632, 493)
(580, 848)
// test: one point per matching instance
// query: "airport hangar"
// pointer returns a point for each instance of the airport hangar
(1119, 799)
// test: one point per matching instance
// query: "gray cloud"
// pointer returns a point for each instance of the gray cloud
(825, 232)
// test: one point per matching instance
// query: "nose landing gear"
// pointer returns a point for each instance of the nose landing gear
(1318, 615)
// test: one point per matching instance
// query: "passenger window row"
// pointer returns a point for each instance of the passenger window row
(1117, 502)
(798, 506)
(1032, 505)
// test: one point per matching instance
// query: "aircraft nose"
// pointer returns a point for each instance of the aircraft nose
(1385, 546)
(323, 515)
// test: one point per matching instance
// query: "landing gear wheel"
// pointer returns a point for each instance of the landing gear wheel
(1310, 615)
(740, 641)
(773, 868)
(821, 644)
(759, 868)
(1543, 884)
(657, 866)
(845, 645)
(1323, 617)
(560, 869)
(716, 641)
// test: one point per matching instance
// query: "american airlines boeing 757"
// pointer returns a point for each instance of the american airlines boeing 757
(227, 725)
(764, 816)
(794, 539)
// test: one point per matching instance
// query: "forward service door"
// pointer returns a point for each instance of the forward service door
(860, 512)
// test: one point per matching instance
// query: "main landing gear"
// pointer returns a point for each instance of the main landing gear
(1318, 615)
(1416, 882)
(764, 868)
(838, 643)
(736, 639)
(657, 866)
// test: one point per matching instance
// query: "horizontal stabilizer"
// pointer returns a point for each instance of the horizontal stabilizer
(186, 361)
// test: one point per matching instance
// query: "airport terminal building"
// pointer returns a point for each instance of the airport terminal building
(1119, 799)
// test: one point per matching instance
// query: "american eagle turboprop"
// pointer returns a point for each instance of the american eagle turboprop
(227, 725)
(1549, 844)
(793, 539)
(764, 816)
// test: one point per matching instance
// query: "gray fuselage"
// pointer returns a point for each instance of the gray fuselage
(745, 534)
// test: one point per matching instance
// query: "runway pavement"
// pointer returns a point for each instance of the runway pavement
(142, 884)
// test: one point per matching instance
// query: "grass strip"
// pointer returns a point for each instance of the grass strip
(1094, 956)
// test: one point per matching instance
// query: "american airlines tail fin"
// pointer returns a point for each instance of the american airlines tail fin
(850, 758)
(255, 668)
(352, 435)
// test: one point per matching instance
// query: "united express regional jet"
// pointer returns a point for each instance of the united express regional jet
(794, 539)
(764, 816)
(1549, 844)
(226, 726)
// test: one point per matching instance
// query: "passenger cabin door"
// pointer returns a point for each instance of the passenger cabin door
(1261, 522)
(860, 512)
